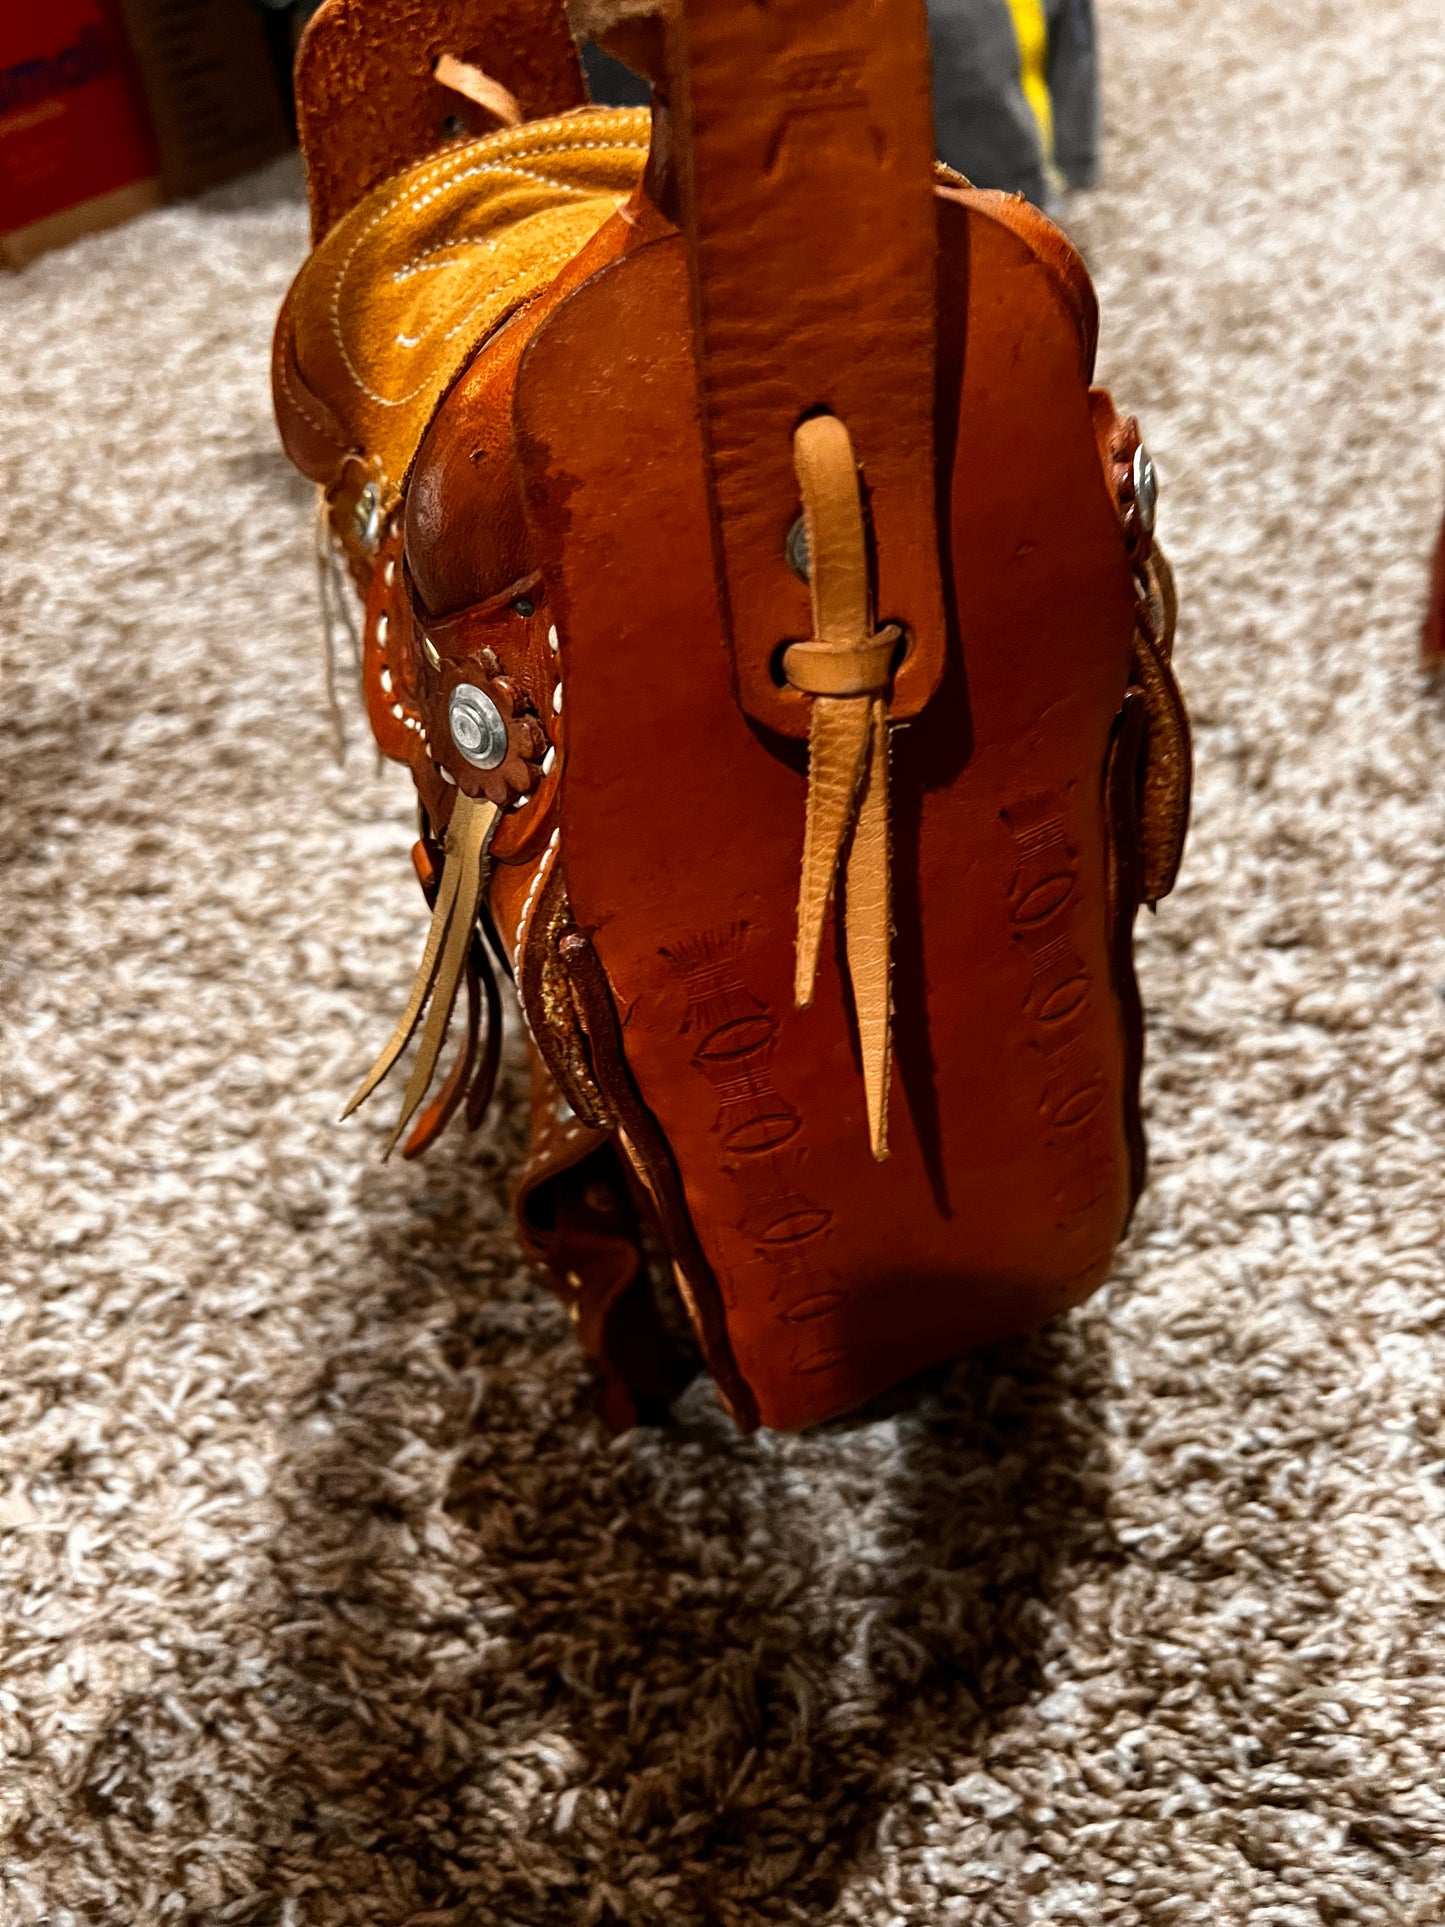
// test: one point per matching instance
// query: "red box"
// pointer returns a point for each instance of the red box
(76, 150)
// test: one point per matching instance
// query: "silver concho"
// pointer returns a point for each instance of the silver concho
(366, 516)
(1146, 489)
(477, 726)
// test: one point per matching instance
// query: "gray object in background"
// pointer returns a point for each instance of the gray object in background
(987, 128)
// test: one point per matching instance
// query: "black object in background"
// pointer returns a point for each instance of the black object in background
(283, 21)
(984, 124)
(612, 84)
(210, 89)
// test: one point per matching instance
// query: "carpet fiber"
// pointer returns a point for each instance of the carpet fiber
(323, 1598)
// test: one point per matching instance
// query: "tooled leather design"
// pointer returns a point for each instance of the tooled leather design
(1166, 767)
(1046, 906)
(1166, 777)
(604, 1035)
(411, 663)
(759, 1138)
(1040, 1234)
(733, 1034)
(1122, 787)
(652, 1158)
(544, 990)
(581, 1222)
(478, 649)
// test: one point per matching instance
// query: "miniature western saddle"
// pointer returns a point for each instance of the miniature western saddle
(767, 609)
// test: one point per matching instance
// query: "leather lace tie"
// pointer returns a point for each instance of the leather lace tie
(444, 957)
(845, 668)
(479, 88)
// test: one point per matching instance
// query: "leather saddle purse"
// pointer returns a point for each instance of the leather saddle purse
(767, 608)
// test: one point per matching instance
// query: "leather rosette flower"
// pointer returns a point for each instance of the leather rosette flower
(482, 732)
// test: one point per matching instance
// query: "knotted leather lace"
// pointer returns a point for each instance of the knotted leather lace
(845, 668)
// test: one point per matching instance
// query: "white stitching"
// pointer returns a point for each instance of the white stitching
(438, 176)
(423, 263)
(328, 435)
(548, 856)
(553, 259)
(497, 144)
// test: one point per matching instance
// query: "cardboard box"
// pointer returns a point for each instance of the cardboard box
(108, 107)
(76, 150)
(211, 86)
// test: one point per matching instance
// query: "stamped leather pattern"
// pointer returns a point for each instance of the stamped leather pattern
(645, 880)
(1010, 1175)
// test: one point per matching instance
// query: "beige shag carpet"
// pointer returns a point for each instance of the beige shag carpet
(323, 1598)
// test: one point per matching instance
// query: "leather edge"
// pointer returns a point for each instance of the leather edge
(643, 1134)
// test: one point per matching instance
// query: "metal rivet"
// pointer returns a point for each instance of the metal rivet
(477, 727)
(366, 516)
(524, 606)
(1146, 489)
(800, 561)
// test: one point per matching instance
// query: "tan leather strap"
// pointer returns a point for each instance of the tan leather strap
(443, 959)
(849, 669)
(368, 99)
(845, 670)
(805, 154)
(446, 1100)
(479, 88)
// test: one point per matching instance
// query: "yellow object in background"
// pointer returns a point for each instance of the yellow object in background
(1032, 30)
